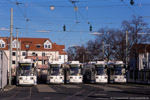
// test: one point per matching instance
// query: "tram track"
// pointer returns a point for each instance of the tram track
(14, 97)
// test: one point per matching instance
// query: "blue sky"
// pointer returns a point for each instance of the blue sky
(99, 14)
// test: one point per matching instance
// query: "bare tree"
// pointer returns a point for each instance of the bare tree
(114, 42)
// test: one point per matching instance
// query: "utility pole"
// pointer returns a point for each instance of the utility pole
(103, 50)
(83, 58)
(17, 49)
(20, 51)
(11, 32)
(126, 49)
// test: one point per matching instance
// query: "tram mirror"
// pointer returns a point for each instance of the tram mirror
(105, 66)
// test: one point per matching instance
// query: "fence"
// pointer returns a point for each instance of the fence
(3, 69)
(136, 76)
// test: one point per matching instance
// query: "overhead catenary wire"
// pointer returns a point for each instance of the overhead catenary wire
(130, 8)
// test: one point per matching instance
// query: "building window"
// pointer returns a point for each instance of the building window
(37, 46)
(2, 45)
(59, 57)
(47, 46)
(33, 54)
(13, 62)
(23, 53)
(13, 53)
(43, 54)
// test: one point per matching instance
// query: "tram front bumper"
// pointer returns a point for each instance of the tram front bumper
(120, 79)
(56, 79)
(101, 79)
(76, 79)
(27, 80)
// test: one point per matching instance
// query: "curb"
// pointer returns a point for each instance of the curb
(8, 87)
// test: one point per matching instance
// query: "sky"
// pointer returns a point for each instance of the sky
(35, 19)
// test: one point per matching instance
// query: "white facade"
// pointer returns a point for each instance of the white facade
(63, 58)
(42, 56)
(144, 61)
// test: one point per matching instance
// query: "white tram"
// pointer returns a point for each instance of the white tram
(26, 73)
(55, 74)
(101, 72)
(119, 72)
(75, 72)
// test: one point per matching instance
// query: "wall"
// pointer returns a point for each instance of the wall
(63, 57)
(3, 69)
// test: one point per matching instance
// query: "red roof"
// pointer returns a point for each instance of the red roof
(60, 48)
(34, 42)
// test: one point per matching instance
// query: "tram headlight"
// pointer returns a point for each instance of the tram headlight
(51, 77)
(71, 77)
(60, 77)
(105, 77)
(80, 77)
(20, 78)
(31, 78)
(96, 77)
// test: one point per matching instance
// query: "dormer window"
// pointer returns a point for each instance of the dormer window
(38, 46)
(47, 45)
(2, 44)
(15, 44)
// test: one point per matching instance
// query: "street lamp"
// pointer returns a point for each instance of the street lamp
(52, 7)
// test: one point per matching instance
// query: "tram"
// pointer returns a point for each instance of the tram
(75, 72)
(88, 73)
(26, 73)
(116, 72)
(101, 72)
(55, 73)
(119, 72)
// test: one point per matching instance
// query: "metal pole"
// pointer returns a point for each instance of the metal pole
(17, 49)
(20, 51)
(103, 49)
(64, 58)
(42, 59)
(83, 58)
(11, 32)
(126, 49)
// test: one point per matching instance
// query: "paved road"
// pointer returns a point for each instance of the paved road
(78, 92)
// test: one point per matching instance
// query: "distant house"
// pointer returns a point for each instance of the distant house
(41, 50)
(140, 57)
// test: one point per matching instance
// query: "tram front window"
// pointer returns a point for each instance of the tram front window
(26, 69)
(118, 70)
(100, 70)
(75, 70)
(55, 70)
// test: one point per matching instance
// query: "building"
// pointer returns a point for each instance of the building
(3, 69)
(41, 50)
(140, 57)
(139, 71)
